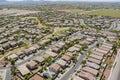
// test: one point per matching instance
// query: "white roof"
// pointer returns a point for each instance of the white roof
(99, 50)
(108, 44)
(23, 69)
(12, 56)
(61, 43)
(51, 53)
(61, 62)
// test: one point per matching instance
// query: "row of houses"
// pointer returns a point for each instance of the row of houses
(101, 22)
(20, 29)
(31, 50)
(95, 63)
(34, 65)
(65, 60)
(59, 20)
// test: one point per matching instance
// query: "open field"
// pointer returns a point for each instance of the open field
(99, 12)
(105, 12)
(16, 12)
(73, 11)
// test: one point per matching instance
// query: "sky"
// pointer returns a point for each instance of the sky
(75, 0)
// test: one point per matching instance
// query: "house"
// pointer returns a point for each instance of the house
(98, 53)
(52, 54)
(73, 49)
(104, 49)
(86, 75)
(4, 40)
(90, 39)
(32, 65)
(93, 65)
(33, 49)
(77, 78)
(66, 58)
(100, 50)
(27, 52)
(55, 49)
(45, 55)
(55, 67)
(17, 78)
(69, 54)
(36, 46)
(96, 57)
(44, 41)
(60, 45)
(85, 42)
(39, 59)
(90, 70)
(36, 77)
(111, 38)
(1, 50)
(62, 63)
(13, 44)
(6, 46)
(94, 60)
(78, 46)
(21, 55)
(19, 42)
(23, 69)
(108, 44)
(13, 56)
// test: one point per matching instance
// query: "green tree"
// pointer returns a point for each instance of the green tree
(84, 62)
(89, 53)
(13, 66)
(74, 57)
(12, 61)
(81, 49)
(49, 79)
(97, 44)
(48, 60)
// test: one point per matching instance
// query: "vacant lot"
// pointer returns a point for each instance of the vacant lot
(99, 12)
(16, 12)
(73, 11)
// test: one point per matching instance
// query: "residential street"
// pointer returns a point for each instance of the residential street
(77, 65)
(72, 70)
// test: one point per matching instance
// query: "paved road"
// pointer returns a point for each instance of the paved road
(77, 65)
(8, 74)
(72, 70)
